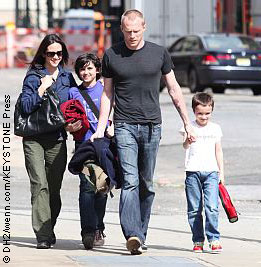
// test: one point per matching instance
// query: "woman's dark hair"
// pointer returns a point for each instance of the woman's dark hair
(48, 40)
(86, 59)
(203, 99)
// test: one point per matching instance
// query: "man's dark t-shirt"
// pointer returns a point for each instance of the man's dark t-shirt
(136, 75)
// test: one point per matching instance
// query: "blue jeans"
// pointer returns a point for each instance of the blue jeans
(137, 147)
(202, 190)
(92, 205)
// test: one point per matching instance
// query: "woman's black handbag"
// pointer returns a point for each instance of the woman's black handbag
(47, 118)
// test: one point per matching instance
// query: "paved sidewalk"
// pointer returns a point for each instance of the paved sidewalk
(169, 244)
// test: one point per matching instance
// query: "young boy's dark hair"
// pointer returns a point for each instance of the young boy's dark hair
(86, 59)
(203, 99)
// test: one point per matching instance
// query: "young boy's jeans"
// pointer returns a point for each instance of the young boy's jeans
(202, 190)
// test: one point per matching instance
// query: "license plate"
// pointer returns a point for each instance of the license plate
(243, 62)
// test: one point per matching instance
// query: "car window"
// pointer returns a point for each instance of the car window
(231, 42)
(176, 46)
(191, 44)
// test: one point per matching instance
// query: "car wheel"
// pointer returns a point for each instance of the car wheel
(218, 90)
(193, 82)
(256, 90)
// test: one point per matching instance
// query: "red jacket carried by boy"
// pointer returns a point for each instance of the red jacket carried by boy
(73, 110)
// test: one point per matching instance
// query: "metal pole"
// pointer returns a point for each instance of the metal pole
(16, 12)
(188, 17)
(244, 16)
(27, 15)
(37, 14)
(213, 16)
(50, 13)
(163, 23)
(59, 8)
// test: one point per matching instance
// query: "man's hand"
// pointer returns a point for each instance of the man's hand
(110, 131)
(73, 127)
(191, 136)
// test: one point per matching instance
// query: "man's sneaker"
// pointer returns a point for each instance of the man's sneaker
(144, 247)
(198, 247)
(99, 238)
(88, 240)
(134, 245)
(215, 246)
(43, 245)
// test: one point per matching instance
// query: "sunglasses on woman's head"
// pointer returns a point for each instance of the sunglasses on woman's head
(52, 54)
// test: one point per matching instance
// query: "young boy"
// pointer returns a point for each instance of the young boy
(92, 205)
(204, 170)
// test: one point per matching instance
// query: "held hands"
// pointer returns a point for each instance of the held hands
(191, 136)
(73, 127)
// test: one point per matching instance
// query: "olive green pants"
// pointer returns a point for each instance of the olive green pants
(45, 162)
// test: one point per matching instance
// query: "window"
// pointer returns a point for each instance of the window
(191, 44)
(176, 47)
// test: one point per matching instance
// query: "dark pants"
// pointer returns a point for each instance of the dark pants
(45, 162)
(92, 205)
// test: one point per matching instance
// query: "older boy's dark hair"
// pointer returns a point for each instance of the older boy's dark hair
(86, 59)
(203, 99)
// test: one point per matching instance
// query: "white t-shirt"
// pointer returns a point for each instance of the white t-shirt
(201, 155)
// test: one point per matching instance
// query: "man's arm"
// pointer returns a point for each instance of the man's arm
(106, 105)
(176, 95)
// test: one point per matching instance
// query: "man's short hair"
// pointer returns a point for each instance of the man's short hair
(132, 14)
(203, 99)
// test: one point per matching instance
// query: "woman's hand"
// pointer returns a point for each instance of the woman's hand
(46, 82)
(73, 127)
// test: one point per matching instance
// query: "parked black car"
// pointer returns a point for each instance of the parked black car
(218, 61)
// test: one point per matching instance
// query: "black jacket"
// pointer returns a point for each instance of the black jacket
(103, 151)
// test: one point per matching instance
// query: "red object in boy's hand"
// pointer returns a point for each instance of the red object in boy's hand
(227, 204)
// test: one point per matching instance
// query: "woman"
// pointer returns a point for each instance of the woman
(46, 154)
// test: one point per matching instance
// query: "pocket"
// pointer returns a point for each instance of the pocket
(65, 82)
(119, 124)
(157, 126)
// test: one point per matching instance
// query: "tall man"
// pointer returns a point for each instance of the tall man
(132, 70)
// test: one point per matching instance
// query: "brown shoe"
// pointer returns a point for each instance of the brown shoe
(134, 245)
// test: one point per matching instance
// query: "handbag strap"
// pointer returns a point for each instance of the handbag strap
(88, 99)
